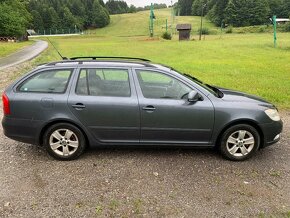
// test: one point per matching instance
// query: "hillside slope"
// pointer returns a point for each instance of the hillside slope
(137, 24)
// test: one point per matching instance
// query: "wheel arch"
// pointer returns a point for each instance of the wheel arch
(237, 122)
(53, 122)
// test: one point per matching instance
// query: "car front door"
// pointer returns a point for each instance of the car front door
(105, 101)
(166, 114)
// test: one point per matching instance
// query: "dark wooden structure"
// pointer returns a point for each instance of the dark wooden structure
(184, 31)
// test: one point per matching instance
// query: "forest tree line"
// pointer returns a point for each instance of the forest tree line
(55, 16)
(235, 12)
(18, 15)
(121, 7)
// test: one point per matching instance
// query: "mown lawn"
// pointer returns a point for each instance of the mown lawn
(8, 48)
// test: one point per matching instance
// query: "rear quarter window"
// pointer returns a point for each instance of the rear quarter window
(48, 81)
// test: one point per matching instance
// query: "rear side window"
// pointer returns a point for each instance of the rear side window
(50, 81)
(104, 82)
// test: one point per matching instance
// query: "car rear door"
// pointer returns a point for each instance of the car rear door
(105, 101)
(166, 115)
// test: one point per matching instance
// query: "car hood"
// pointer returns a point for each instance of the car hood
(237, 96)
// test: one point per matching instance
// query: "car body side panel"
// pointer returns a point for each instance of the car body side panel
(108, 119)
(175, 121)
(229, 113)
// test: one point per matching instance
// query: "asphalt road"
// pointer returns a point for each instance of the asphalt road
(23, 55)
(150, 182)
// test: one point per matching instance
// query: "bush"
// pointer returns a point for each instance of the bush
(204, 31)
(286, 27)
(229, 29)
(166, 36)
(262, 29)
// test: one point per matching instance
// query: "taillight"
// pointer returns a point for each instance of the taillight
(6, 105)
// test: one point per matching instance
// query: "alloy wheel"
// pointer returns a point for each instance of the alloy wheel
(240, 143)
(64, 142)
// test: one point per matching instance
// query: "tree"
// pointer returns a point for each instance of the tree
(184, 7)
(217, 12)
(197, 7)
(132, 9)
(117, 7)
(247, 12)
(64, 14)
(67, 19)
(37, 20)
(14, 18)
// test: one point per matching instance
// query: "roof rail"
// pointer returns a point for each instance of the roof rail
(104, 57)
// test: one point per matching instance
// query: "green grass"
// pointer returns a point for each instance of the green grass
(137, 24)
(8, 48)
(246, 62)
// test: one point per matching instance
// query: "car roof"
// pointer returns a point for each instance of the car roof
(103, 62)
(111, 63)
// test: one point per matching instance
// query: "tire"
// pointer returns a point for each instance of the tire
(239, 142)
(64, 141)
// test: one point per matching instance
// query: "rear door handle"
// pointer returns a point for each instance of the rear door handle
(149, 108)
(79, 106)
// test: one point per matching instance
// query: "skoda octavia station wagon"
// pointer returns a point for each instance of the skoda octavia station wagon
(93, 101)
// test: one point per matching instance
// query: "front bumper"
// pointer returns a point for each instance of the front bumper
(272, 132)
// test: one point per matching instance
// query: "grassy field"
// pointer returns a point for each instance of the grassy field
(247, 62)
(127, 25)
(8, 48)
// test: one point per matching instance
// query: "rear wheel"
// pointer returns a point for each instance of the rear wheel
(64, 141)
(239, 142)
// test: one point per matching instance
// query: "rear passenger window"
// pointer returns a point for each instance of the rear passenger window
(104, 82)
(50, 81)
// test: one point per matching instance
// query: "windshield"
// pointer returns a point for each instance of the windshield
(215, 91)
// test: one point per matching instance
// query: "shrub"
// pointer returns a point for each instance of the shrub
(229, 29)
(204, 31)
(286, 27)
(262, 29)
(166, 36)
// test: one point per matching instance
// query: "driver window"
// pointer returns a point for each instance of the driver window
(158, 85)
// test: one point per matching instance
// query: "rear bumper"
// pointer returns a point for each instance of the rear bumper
(272, 132)
(21, 130)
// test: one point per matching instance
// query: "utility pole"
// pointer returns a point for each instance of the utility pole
(172, 17)
(275, 30)
(152, 17)
(200, 31)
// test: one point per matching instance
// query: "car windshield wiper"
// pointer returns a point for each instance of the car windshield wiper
(216, 90)
(192, 77)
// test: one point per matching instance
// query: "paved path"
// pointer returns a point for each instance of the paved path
(24, 54)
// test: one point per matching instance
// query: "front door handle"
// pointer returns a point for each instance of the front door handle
(149, 108)
(79, 106)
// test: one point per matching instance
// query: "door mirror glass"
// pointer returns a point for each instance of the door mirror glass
(193, 96)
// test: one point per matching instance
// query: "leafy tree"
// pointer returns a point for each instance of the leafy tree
(247, 12)
(184, 7)
(217, 12)
(132, 9)
(37, 20)
(14, 18)
(117, 7)
(67, 18)
(64, 14)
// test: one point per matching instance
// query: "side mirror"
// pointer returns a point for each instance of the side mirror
(193, 96)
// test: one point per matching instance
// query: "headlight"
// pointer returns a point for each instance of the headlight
(273, 114)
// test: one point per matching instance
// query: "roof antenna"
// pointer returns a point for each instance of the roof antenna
(63, 58)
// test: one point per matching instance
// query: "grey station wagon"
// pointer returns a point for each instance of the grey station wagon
(71, 104)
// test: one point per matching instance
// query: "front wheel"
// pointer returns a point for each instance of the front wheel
(64, 141)
(239, 142)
